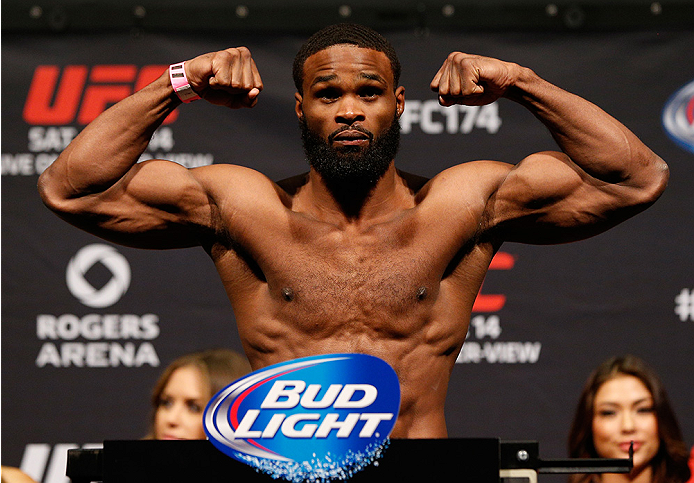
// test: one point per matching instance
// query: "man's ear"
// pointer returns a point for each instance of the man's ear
(299, 107)
(400, 100)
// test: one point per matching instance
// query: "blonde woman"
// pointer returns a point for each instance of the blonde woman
(184, 388)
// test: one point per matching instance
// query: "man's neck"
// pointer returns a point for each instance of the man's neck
(351, 205)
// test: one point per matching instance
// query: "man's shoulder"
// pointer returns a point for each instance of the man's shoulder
(230, 175)
(485, 175)
(481, 167)
(236, 184)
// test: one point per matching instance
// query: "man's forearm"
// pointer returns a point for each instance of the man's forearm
(598, 143)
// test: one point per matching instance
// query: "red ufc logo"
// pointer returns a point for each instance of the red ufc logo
(81, 93)
(494, 302)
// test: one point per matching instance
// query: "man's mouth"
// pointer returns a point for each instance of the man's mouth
(351, 137)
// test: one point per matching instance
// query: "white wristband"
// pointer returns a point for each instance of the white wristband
(179, 82)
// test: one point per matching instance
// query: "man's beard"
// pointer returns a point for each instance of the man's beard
(351, 167)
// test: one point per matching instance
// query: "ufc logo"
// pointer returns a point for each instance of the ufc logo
(494, 302)
(80, 93)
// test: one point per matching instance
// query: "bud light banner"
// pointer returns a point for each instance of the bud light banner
(318, 418)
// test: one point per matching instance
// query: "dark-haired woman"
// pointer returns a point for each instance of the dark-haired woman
(624, 401)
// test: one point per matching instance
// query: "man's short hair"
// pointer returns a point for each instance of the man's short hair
(344, 33)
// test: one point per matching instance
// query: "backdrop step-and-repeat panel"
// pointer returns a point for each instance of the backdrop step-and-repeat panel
(87, 326)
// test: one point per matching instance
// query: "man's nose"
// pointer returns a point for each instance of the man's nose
(349, 111)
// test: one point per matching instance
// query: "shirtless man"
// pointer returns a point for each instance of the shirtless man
(355, 255)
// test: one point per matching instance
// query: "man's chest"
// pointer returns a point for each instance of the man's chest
(343, 286)
(393, 266)
(360, 278)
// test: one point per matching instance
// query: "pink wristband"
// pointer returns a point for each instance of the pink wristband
(179, 82)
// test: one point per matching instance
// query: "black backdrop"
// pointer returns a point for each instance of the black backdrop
(87, 326)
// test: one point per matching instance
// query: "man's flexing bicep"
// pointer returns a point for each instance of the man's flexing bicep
(97, 183)
(156, 204)
(605, 175)
(547, 198)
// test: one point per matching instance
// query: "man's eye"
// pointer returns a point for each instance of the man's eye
(328, 94)
(370, 92)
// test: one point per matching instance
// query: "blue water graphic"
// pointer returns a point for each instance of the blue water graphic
(318, 470)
